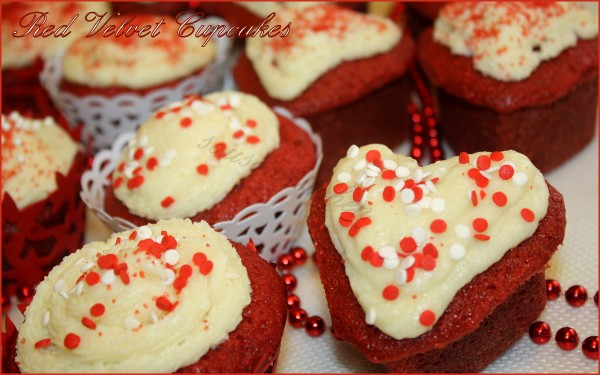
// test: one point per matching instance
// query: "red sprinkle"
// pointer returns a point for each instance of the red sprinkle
(185, 122)
(163, 303)
(186, 270)
(97, 310)
(88, 323)
(167, 201)
(206, 267)
(373, 155)
(527, 215)
(427, 318)
(481, 237)
(430, 250)
(169, 242)
(438, 226)
(151, 163)
(251, 123)
(463, 158)
(389, 193)
(474, 198)
(388, 175)
(367, 253)
(72, 341)
(107, 261)
(118, 182)
(428, 263)
(180, 283)
(484, 162)
(202, 169)
(220, 150)
(480, 224)
(135, 182)
(139, 153)
(391, 292)
(357, 194)
(408, 244)
(496, 156)
(499, 199)
(340, 188)
(238, 134)
(253, 139)
(133, 235)
(376, 260)
(360, 223)
(43, 343)
(199, 258)
(92, 278)
(506, 172)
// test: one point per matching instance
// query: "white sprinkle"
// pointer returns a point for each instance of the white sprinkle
(418, 175)
(457, 251)
(407, 196)
(412, 210)
(408, 262)
(108, 277)
(371, 316)
(131, 149)
(60, 285)
(373, 167)
(486, 175)
(424, 189)
(36, 125)
(154, 318)
(232, 276)
(171, 257)
(426, 174)
(438, 205)
(79, 288)
(48, 121)
(402, 171)
(419, 234)
(144, 232)
(79, 261)
(469, 193)
(73, 289)
(462, 231)
(388, 252)
(520, 179)
(359, 165)
(508, 162)
(425, 202)
(390, 164)
(401, 276)
(368, 181)
(20, 159)
(493, 169)
(17, 142)
(391, 263)
(234, 123)
(363, 199)
(148, 150)
(430, 185)
(234, 101)
(46, 318)
(170, 277)
(398, 185)
(86, 267)
(143, 140)
(360, 179)
(352, 152)
(344, 177)
(371, 173)
(131, 323)
(64, 294)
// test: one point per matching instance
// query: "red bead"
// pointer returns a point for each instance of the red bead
(590, 347)
(315, 326)
(299, 255)
(5, 303)
(285, 262)
(567, 338)
(540, 332)
(297, 317)
(25, 293)
(596, 298)
(290, 281)
(552, 289)
(576, 295)
(293, 301)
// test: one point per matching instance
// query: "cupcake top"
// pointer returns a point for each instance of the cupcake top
(136, 62)
(33, 151)
(22, 52)
(321, 38)
(412, 237)
(190, 154)
(264, 8)
(508, 40)
(153, 299)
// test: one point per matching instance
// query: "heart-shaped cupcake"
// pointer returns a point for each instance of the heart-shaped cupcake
(412, 237)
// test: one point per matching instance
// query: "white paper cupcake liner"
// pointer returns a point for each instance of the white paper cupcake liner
(104, 118)
(273, 226)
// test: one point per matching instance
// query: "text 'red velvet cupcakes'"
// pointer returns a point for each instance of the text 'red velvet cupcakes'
(225, 158)
(175, 296)
(22, 55)
(424, 267)
(519, 76)
(342, 70)
(43, 218)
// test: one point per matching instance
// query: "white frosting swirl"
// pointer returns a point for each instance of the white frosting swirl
(33, 150)
(21, 52)
(136, 62)
(412, 237)
(120, 306)
(509, 40)
(190, 154)
(321, 38)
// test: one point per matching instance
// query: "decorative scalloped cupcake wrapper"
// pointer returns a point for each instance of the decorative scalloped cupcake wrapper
(273, 226)
(104, 118)
(36, 238)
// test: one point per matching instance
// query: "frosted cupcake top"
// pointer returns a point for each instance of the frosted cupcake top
(264, 8)
(33, 151)
(154, 299)
(190, 154)
(508, 40)
(136, 62)
(22, 52)
(412, 237)
(321, 38)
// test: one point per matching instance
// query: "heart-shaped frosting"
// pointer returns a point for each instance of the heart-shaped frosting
(412, 237)
(190, 154)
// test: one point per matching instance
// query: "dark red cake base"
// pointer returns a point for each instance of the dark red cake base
(282, 168)
(492, 302)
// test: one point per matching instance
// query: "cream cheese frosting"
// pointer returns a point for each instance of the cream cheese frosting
(264, 8)
(22, 52)
(136, 62)
(190, 154)
(509, 40)
(411, 237)
(321, 38)
(33, 150)
(153, 299)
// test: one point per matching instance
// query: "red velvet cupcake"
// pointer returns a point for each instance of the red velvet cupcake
(341, 70)
(175, 296)
(43, 218)
(422, 266)
(519, 76)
